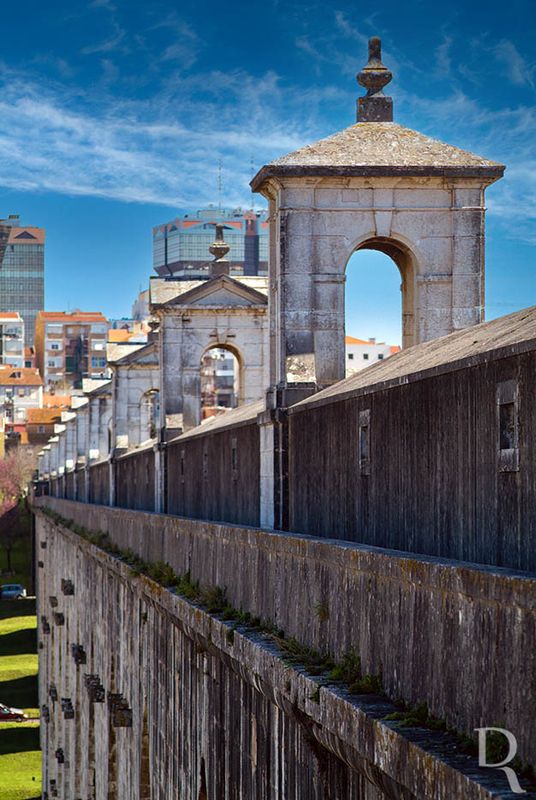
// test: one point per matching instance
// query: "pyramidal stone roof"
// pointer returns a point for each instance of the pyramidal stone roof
(376, 149)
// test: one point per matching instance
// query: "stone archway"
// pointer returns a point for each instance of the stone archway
(149, 415)
(404, 257)
(221, 378)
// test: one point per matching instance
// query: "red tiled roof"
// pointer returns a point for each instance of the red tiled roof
(10, 315)
(119, 335)
(19, 376)
(353, 340)
(56, 400)
(43, 416)
(26, 235)
(72, 316)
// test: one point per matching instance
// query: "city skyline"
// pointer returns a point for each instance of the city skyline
(126, 116)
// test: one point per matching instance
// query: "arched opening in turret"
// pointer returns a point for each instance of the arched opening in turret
(149, 414)
(220, 380)
(379, 302)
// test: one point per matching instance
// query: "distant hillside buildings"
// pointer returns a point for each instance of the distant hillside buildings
(22, 271)
(46, 356)
(181, 247)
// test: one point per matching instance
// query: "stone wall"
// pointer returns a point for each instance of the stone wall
(99, 483)
(216, 475)
(435, 630)
(135, 480)
(435, 479)
(178, 704)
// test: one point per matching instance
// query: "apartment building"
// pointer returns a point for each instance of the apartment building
(361, 353)
(21, 389)
(11, 339)
(70, 346)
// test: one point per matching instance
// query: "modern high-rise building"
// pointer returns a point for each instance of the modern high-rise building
(22, 271)
(181, 247)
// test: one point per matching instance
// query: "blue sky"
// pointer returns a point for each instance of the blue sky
(114, 116)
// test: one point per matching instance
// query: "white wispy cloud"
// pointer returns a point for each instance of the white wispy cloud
(165, 150)
(443, 61)
(518, 70)
(114, 39)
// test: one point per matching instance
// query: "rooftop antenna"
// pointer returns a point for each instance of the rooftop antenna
(220, 183)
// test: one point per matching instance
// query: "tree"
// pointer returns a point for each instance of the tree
(15, 473)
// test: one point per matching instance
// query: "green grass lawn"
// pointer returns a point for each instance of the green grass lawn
(20, 757)
(21, 557)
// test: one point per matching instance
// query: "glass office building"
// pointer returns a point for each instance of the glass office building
(181, 247)
(22, 272)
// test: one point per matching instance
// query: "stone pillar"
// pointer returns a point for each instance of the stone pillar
(159, 477)
(267, 471)
(468, 257)
(111, 480)
(93, 425)
(60, 432)
(105, 416)
(69, 439)
(120, 411)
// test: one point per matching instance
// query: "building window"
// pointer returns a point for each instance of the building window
(54, 346)
(365, 356)
(98, 362)
(380, 356)
(364, 442)
(351, 356)
(234, 459)
(508, 426)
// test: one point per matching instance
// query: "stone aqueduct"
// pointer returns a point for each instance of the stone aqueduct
(317, 595)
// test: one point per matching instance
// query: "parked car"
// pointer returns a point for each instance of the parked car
(12, 591)
(14, 714)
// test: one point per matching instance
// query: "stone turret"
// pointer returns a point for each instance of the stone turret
(381, 186)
